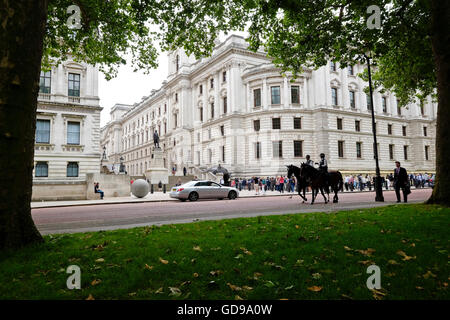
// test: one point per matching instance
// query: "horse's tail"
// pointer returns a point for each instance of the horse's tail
(341, 182)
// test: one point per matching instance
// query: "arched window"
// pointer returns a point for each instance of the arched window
(177, 62)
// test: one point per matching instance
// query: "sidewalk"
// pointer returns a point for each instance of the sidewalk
(162, 197)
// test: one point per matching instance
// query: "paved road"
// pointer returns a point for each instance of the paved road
(116, 216)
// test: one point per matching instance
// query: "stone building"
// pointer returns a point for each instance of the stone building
(67, 142)
(236, 109)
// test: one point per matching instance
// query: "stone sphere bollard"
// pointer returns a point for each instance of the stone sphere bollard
(139, 188)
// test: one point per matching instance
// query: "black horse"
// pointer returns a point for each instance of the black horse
(318, 181)
(304, 181)
(301, 182)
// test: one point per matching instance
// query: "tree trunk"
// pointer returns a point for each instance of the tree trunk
(22, 26)
(441, 54)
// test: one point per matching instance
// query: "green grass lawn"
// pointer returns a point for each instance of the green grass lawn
(302, 256)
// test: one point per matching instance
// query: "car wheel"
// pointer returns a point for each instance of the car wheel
(193, 196)
(232, 195)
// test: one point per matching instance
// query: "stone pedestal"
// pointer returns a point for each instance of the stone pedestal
(157, 173)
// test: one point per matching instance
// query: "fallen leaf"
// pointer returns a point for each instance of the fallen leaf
(429, 274)
(315, 288)
(90, 297)
(197, 248)
(316, 276)
(269, 284)
(174, 292)
(160, 290)
(95, 282)
(405, 256)
(195, 275)
(247, 288)
(233, 287)
(148, 267)
(100, 260)
(393, 262)
(163, 261)
(348, 248)
(367, 252)
(132, 294)
(236, 297)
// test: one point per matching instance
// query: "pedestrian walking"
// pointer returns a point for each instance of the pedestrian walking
(401, 182)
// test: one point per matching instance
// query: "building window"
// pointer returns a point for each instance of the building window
(225, 106)
(210, 155)
(383, 103)
(200, 88)
(73, 132)
(223, 153)
(350, 70)
(224, 76)
(297, 123)
(165, 108)
(211, 81)
(339, 123)
(426, 152)
(405, 152)
(176, 97)
(295, 94)
(404, 131)
(391, 152)
(277, 147)
(257, 150)
(175, 117)
(222, 130)
(41, 169)
(72, 169)
(209, 133)
(298, 148)
(332, 66)
(276, 123)
(275, 95)
(425, 131)
(45, 81)
(43, 131)
(257, 98)
(399, 108)
(352, 99)
(165, 127)
(357, 125)
(212, 110)
(340, 149)
(369, 102)
(256, 125)
(201, 113)
(358, 150)
(74, 85)
(334, 96)
(389, 128)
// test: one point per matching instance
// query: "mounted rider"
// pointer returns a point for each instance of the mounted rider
(309, 161)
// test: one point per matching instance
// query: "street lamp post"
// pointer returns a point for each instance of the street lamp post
(378, 186)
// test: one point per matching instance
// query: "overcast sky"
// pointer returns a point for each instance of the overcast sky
(129, 87)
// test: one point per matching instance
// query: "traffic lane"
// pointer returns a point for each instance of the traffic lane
(117, 215)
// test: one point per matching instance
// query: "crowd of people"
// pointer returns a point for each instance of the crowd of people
(360, 182)
(363, 182)
(263, 184)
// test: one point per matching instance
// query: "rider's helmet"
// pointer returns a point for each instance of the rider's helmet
(322, 155)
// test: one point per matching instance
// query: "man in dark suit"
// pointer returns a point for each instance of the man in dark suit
(400, 181)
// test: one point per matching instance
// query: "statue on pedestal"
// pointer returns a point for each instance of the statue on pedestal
(156, 139)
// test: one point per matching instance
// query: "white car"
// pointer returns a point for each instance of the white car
(205, 189)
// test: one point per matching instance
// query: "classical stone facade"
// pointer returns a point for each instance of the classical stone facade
(67, 145)
(236, 109)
